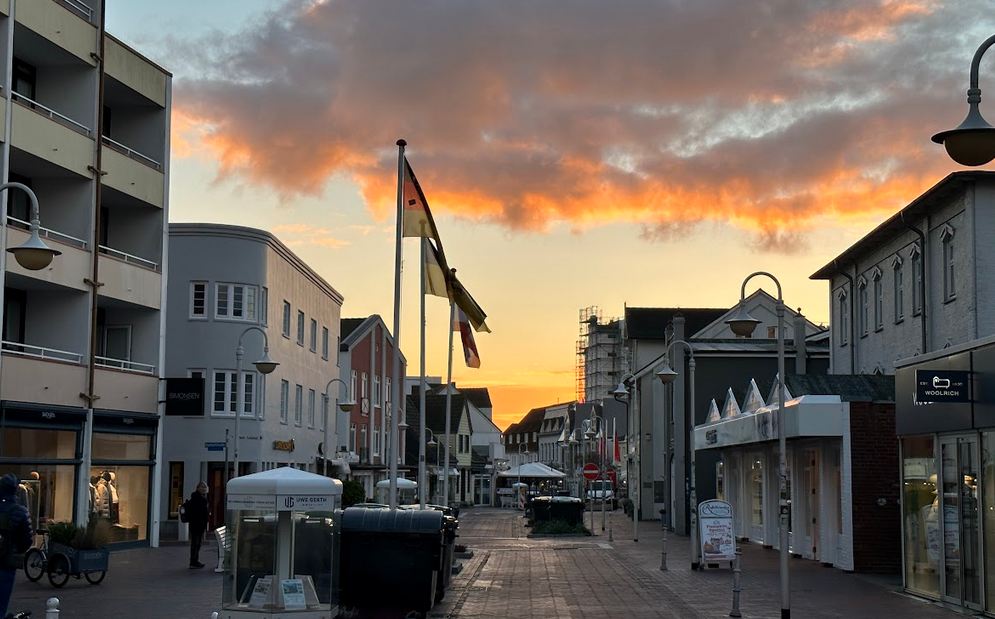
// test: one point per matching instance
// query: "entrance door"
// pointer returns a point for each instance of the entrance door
(961, 525)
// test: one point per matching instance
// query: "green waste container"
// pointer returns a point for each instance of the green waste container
(568, 509)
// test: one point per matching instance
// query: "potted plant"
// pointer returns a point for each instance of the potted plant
(85, 547)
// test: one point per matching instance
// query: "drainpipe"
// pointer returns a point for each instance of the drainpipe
(82, 500)
(853, 341)
(922, 278)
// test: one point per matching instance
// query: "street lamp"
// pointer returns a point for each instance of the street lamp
(744, 324)
(519, 486)
(34, 254)
(263, 366)
(632, 444)
(434, 443)
(972, 143)
(667, 376)
(345, 406)
(596, 421)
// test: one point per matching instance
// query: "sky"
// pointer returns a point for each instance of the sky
(575, 154)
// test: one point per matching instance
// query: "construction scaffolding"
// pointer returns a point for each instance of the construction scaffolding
(602, 357)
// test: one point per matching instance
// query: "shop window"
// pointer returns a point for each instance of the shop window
(120, 493)
(46, 490)
(757, 492)
(988, 507)
(108, 446)
(176, 495)
(921, 522)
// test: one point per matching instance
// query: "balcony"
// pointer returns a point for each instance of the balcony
(66, 23)
(43, 375)
(78, 8)
(133, 154)
(51, 136)
(136, 72)
(125, 389)
(130, 278)
(69, 270)
(134, 177)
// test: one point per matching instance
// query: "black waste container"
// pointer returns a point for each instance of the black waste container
(567, 509)
(399, 549)
(449, 526)
(540, 509)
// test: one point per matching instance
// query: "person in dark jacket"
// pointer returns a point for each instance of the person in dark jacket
(197, 510)
(15, 537)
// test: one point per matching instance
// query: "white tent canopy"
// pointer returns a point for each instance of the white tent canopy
(402, 484)
(533, 470)
(284, 488)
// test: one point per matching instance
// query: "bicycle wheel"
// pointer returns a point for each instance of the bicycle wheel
(58, 570)
(34, 564)
(94, 578)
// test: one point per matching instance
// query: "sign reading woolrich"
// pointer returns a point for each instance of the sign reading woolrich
(942, 386)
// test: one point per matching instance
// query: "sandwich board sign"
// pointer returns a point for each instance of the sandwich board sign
(716, 533)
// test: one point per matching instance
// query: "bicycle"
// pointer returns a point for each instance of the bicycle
(21, 615)
(39, 561)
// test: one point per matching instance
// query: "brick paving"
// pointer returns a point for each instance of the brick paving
(512, 576)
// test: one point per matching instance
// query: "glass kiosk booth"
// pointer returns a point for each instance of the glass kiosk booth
(282, 546)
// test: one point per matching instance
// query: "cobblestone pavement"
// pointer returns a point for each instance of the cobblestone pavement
(512, 576)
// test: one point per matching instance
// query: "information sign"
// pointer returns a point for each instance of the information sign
(716, 533)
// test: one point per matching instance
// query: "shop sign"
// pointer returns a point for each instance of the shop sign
(716, 535)
(284, 445)
(303, 502)
(942, 386)
(185, 397)
(251, 501)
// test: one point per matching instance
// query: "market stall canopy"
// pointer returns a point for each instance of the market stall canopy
(533, 470)
(284, 488)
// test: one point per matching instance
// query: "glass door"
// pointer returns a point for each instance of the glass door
(961, 525)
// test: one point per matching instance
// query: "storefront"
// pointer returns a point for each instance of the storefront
(945, 419)
(43, 446)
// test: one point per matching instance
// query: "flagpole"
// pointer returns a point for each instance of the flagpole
(422, 485)
(449, 400)
(398, 404)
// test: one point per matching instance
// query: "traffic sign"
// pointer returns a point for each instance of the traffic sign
(611, 474)
(591, 471)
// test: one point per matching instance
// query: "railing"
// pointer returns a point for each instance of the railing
(44, 111)
(132, 154)
(40, 352)
(78, 7)
(47, 233)
(129, 258)
(124, 364)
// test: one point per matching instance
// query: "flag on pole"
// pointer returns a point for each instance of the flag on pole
(462, 324)
(417, 219)
(618, 456)
(474, 313)
(435, 274)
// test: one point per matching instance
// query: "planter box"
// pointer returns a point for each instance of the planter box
(81, 561)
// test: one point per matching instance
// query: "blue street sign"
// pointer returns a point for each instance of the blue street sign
(215, 446)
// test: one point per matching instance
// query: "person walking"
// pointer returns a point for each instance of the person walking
(15, 537)
(196, 510)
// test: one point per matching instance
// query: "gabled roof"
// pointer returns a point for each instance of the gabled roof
(435, 412)
(759, 300)
(478, 396)
(650, 323)
(348, 325)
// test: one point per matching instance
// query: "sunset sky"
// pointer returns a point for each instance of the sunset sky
(574, 153)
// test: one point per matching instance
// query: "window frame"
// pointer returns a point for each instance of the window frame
(324, 343)
(313, 336)
(300, 327)
(310, 407)
(948, 263)
(878, 291)
(376, 391)
(284, 401)
(192, 314)
(863, 306)
(298, 405)
(843, 312)
(898, 275)
(249, 300)
(228, 392)
(286, 318)
(915, 258)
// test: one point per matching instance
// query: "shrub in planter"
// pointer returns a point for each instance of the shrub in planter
(352, 493)
(93, 536)
(558, 527)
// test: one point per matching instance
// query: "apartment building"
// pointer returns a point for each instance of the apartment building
(232, 285)
(86, 127)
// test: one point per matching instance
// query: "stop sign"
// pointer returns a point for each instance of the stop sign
(591, 471)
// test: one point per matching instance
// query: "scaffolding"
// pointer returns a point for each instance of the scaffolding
(601, 355)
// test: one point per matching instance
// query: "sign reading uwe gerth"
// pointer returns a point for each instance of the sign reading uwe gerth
(942, 386)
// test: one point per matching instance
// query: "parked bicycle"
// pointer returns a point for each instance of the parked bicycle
(42, 560)
(21, 615)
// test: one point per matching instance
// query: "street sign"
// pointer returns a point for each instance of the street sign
(219, 446)
(611, 474)
(942, 386)
(591, 471)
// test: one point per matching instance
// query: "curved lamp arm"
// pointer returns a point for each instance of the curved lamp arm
(742, 290)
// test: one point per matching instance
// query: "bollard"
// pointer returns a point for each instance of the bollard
(610, 538)
(52, 608)
(214, 615)
(663, 521)
(735, 586)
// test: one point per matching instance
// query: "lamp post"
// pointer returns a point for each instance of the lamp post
(263, 366)
(972, 143)
(743, 324)
(434, 443)
(596, 426)
(621, 394)
(34, 254)
(345, 406)
(519, 486)
(667, 376)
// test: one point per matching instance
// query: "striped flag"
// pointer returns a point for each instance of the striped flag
(462, 324)
(435, 274)
(417, 219)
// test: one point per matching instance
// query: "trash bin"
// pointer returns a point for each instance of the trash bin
(540, 509)
(404, 548)
(567, 509)
(449, 526)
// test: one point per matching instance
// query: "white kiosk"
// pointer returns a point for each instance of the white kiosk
(282, 558)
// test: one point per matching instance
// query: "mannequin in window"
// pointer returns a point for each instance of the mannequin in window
(113, 507)
(94, 480)
(103, 496)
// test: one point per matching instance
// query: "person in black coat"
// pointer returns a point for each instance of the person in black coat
(15, 537)
(197, 510)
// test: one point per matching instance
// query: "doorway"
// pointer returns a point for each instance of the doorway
(961, 575)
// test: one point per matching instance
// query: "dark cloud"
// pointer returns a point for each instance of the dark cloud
(763, 113)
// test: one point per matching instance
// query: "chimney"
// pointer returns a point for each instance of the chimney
(801, 354)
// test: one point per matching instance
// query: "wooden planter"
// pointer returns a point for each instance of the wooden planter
(82, 561)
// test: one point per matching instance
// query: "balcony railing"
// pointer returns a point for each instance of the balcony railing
(124, 364)
(120, 255)
(78, 8)
(40, 352)
(132, 154)
(44, 111)
(48, 233)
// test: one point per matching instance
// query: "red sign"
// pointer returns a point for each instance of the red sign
(591, 471)
(611, 474)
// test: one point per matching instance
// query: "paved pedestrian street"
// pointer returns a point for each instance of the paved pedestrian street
(513, 576)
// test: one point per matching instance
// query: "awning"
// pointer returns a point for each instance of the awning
(806, 416)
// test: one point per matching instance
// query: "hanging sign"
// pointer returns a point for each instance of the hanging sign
(715, 531)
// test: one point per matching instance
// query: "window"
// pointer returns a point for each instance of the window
(261, 396)
(878, 300)
(23, 78)
(388, 393)
(284, 400)
(864, 309)
(352, 384)
(947, 238)
(248, 394)
(298, 404)
(362, 437)
(235, 302)
(224, 393)
(916, 266)
(352, 437)
(286, 319)
(310, 408)
(324, 412)
(263, 306)
(376, 440)
(899, 271)
(300, 327)
(366, 386)
(198, 299)
(314, 335)
(324, 342)
(376, 391)
(842, 313)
